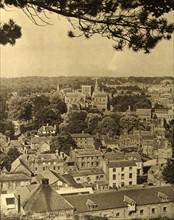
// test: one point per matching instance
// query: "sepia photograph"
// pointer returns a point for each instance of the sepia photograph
(87, 109)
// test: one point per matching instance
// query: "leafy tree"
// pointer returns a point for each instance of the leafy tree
(57, 104)
(168, 172)
(138, 24)
(92, 122)
(75, 122)
(12, 154)
(107, 126)
(7, 128)
(20, 108)
(128, 123)
(62, 143)
(9, 32)
(121, 103)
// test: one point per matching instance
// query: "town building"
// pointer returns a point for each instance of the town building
(83, 140)
(87, 90)
(140, 203)
(47, 130)
(86, 158)
(120, 173)
(99, 99)
(9, 181)
(91, 177)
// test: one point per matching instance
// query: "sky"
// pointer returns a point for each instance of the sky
(47, 51)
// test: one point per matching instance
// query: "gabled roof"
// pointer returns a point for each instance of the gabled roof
(115, 199)
(15, 143)
(14, 177)
(45, 199)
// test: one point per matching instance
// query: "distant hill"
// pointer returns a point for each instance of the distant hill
(24, 85)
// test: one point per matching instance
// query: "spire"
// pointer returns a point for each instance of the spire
(58, 87)
(96, 86)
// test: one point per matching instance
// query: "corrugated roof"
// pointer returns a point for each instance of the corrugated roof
(115, 199)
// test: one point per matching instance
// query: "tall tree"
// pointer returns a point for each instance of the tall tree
(168, 172)
(138, 23)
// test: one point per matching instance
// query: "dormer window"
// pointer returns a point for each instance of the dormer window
(91, 205)
(163, 197)
(131, 204)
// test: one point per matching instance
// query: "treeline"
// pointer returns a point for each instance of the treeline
(33, 84)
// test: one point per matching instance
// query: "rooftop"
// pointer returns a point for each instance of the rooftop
(44, 199)
(115, 199)
(121, 163)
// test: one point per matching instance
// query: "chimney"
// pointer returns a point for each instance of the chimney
(19, 204)
(45, 181)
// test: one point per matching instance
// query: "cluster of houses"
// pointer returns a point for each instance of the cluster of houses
(121, 180)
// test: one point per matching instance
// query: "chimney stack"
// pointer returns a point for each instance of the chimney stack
(45, 181)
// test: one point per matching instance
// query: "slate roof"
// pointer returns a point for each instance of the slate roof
(114, 156)
(87, 172)
(44, 199)
(133, 156)
(121, 163)
(87, 152)
(115, 199)
(99, 95)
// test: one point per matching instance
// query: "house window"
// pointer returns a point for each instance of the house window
(164, 209)
(114, 177)
(122, 184)
(130, 175)
(153, 210)
(10, 201)
(43, 168)
(101, 176)
(58, 167)
(35, 168)
(122, 176)
(114, 186)
(114, 170)
(130, 168)
(117, 214)
(141, 212)
(130, 182)
(54, 168)
(122, 169)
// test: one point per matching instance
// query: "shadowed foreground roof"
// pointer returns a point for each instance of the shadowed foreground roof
(112, 200)
(45, 199)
